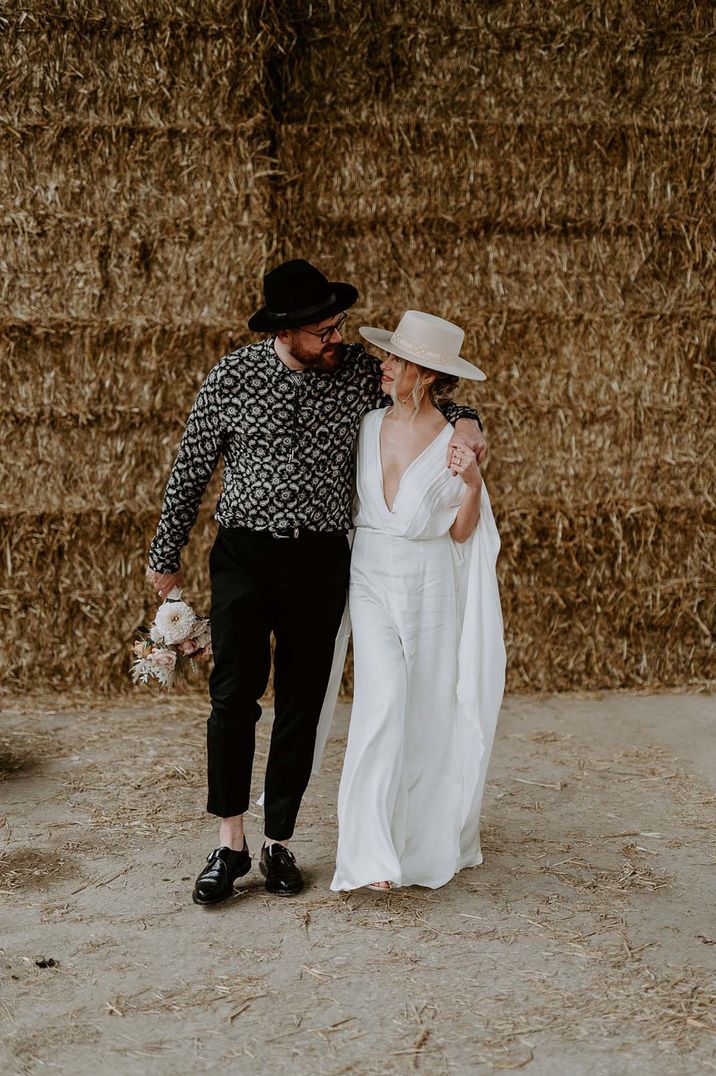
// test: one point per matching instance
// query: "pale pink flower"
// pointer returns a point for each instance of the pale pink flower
(162, 664)
(203, 637)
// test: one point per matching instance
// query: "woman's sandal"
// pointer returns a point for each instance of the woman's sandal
(380, 888)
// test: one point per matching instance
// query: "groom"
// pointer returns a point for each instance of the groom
(284, 413)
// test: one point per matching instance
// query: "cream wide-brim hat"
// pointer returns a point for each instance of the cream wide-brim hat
(427, 340)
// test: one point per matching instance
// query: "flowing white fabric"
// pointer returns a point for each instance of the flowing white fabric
(428, 676)
(328, 710)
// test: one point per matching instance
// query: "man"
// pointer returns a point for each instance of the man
(284, 413)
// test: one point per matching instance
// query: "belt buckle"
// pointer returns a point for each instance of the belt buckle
(295, 533)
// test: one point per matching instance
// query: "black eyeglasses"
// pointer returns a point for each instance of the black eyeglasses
(328, 332)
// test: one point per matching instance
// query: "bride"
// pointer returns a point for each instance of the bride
(429, 657)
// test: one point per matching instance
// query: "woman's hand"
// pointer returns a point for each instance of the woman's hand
(463, 461)
(164, 582)
(469, 432)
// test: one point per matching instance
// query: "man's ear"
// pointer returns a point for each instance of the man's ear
(285, 336)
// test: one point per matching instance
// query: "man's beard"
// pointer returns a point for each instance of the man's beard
(327, 359)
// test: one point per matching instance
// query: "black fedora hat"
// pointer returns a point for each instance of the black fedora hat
(296, 293)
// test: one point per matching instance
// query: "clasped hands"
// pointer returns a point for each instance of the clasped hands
(466, 451)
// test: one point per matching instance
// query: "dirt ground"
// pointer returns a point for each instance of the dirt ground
(586, 942)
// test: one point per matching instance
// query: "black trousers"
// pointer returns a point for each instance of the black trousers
(295, 588)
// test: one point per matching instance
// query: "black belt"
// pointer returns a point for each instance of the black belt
(287, 532)
(290, 532)
(304, 532)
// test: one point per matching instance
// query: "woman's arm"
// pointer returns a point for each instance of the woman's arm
(464, 461)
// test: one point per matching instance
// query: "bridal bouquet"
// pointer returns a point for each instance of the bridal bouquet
(176, 639)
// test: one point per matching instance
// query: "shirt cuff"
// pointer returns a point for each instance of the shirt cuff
(166, 567)
(468, 412)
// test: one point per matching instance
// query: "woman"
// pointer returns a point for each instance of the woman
(427, 629)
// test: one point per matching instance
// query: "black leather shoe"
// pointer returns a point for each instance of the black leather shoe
(279, 868)
(216, 881)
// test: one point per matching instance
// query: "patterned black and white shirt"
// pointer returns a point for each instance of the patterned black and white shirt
(288, 444)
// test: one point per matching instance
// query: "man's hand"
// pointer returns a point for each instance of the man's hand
(467, 432)
(164, 582)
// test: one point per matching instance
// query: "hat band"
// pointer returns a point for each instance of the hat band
(306, 310)
(423, 350)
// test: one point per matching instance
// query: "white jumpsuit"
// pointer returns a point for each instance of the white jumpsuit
(429, 664)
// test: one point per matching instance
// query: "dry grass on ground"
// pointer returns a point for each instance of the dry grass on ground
(585, 943)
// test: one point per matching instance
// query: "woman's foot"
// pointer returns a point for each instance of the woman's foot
(382, 887)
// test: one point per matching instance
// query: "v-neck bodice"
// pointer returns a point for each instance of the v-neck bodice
(427, 498)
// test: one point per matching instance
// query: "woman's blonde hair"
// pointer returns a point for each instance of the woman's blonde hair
(441, 387)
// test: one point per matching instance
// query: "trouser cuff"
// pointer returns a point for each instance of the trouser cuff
(224, 810)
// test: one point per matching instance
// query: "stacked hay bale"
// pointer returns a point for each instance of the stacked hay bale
(137, 218)
(542, 175)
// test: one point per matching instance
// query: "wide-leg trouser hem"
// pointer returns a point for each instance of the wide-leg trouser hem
(343, 886)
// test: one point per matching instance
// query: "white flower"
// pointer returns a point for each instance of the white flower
(155, 635)
(141, 671)
(175, 594)
(175, 621)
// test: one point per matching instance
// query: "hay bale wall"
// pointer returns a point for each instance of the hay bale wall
(544, 175)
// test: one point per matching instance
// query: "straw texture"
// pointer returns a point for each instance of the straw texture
(543, 175)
